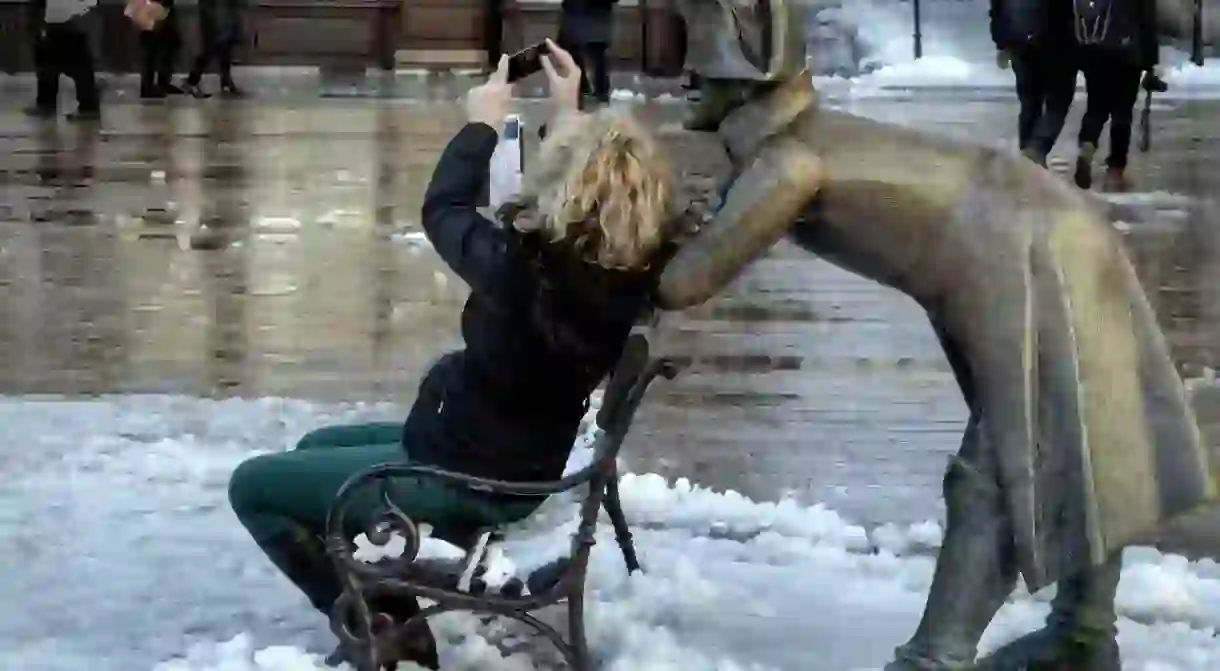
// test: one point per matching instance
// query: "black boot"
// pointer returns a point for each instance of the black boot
(393, 643)
(301, 557)
(1084, 166)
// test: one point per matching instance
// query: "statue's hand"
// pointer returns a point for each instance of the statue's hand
(696, 205)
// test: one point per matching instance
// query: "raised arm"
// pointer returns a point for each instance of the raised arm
(473, 246)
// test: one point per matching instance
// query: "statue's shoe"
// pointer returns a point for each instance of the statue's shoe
(1053, 650)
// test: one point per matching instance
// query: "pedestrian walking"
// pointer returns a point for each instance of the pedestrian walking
(159, 48)
(1117, 45)
(586, 31)
(61, 47)
(220, 32)
(493, 31)
(1034, 37)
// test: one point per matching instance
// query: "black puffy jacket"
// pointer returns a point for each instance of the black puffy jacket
(1126, 27)
(541, 328)
(1017, 24)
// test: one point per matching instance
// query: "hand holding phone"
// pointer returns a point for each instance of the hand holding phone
(564, 76)
(489, 103)
(527, 61)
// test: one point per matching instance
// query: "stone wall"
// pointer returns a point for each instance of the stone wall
(349, 33)
(279, 32)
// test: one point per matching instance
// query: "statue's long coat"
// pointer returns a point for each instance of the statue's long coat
(1028, 286)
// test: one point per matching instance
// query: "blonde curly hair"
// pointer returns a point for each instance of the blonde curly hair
(602, 185)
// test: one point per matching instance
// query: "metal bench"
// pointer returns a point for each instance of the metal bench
(454, 585)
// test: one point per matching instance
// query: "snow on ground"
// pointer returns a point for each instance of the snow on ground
(119, 553)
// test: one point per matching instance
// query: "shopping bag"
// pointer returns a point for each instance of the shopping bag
(145, 14)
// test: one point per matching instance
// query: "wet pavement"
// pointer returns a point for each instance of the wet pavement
(270, 247)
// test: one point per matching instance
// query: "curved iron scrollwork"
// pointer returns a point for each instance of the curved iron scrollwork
(373, 637)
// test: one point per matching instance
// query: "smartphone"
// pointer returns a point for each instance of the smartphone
(526, 62)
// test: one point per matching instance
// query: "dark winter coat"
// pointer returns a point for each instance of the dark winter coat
(1018, 24)
(1126, 27)
(221, 17)
(36, 16)
(587, 22)
(542, 329)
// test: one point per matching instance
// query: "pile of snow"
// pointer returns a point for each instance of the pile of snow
(1187, 77)
(121, 553)
(933, 71)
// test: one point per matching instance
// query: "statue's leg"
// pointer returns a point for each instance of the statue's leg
(1080, 631)
(975, 569)
(739, 52)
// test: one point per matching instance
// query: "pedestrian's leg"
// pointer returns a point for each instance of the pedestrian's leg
(224, 57)
(1096, 113)
(1060, 81)
(47, 69)
(598, 61)
(1031, 93)
(208, 50)
(82, 72)
(493, 30)
(150, 52)
(171, 44)
(200, 64)
(1126, 89)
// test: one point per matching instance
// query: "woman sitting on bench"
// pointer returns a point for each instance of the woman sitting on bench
(550, 308)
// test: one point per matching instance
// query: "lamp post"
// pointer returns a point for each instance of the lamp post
(919, 32)
(1196, 38)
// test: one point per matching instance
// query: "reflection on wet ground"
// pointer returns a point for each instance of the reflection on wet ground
(270, 248)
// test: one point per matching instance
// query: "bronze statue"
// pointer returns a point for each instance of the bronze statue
(1080, 440)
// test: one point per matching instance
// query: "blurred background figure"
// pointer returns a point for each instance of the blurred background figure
(1035, 38)
(586, 31)
(493, 31)
(159, 47)
(61, 47)
(219, 33)
(1117, 42)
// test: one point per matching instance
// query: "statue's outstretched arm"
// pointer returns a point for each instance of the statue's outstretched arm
(759, 208)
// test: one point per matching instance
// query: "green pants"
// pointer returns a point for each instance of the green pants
(282, 500)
